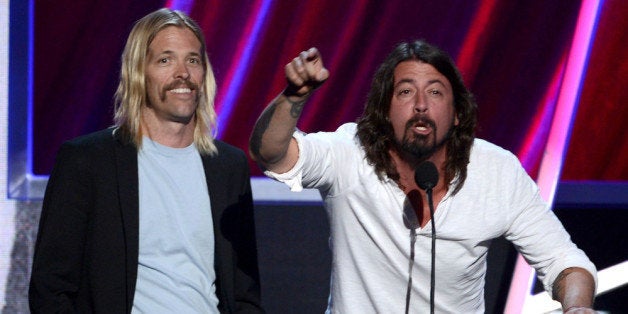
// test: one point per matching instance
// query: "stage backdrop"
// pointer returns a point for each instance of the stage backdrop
(512, 55)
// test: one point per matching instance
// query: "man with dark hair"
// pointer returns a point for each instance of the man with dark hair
(418, 110)
(153, 215)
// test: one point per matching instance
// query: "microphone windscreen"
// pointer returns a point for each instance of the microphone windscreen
(426, 175)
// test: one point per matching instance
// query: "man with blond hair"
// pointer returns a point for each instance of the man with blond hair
(153, 215)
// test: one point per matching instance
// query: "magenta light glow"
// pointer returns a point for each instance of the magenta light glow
(474, 41)
(519, 294)
(537, 134)
(180, 5)
(241, 59)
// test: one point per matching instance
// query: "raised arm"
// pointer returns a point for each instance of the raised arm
(271, 144)
(574, 288)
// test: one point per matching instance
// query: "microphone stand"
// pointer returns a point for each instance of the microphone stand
(411, 263)
(426, 177)
(433, 274)
(430, 202)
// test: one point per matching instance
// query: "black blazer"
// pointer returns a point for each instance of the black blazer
(86, 252)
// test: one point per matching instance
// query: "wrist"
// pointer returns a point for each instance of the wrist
(296, 91)
(294, 98)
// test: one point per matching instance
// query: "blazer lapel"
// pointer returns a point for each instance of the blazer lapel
(214, 170)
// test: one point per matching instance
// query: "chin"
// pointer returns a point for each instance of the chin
(183, 118)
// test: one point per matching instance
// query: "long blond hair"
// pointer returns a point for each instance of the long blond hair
(131, 92)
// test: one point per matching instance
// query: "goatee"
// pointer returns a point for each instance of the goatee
(422, 147)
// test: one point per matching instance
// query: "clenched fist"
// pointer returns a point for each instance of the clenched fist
(305, 73)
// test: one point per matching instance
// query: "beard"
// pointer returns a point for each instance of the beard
(421, 147)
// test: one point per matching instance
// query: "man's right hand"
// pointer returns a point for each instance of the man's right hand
(271, 142)
(305, 73)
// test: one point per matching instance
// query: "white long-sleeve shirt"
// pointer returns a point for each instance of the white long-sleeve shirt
(371, 246)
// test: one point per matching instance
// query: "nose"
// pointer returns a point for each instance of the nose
(182, 71)
(420, 105)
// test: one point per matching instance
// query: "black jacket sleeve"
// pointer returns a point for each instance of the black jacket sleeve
(58, 257)
(238, 284)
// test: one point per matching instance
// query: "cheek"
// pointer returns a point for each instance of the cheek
(198, 76)
(151, 83)
(398, 123)
(153, 91)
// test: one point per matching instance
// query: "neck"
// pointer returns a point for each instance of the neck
(406, 168)
(168, 133)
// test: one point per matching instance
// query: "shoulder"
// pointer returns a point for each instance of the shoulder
(348, 129)
(99, 140)
(490, 160)
(346, 133)
(94, 138)
(483, 149)
(96, 148)
(228, 150)
(94, 144)
(89, 154)
(229, 166)
(227, 155)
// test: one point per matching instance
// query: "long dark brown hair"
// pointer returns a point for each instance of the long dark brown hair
(375, 131)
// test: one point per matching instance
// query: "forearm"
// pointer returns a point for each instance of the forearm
(574, 288)
(271, 142)
(272, 133)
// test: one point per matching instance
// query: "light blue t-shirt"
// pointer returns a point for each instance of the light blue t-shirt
(176, 238)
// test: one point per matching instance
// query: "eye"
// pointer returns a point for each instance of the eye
(403, 92)
(162, 60)
(194, 60)
(434, 92)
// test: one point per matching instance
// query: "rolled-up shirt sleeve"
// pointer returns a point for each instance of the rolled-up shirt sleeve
(322, 157)
(293, 177)
(540, 237)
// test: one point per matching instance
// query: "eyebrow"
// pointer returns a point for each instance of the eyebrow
(430, 82)
(170, 52)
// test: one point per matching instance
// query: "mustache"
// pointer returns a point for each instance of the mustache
(420, 120)
(181, 83)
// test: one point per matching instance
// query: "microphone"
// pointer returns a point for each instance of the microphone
(426, 175)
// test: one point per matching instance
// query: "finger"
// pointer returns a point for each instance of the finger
(313, 64)
(310, 70)
(294, 75)
(302, 68)
(313, 54)
(322, 75)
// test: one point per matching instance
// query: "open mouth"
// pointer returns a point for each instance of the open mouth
(181, 87)
(422, 127)
(181, 90)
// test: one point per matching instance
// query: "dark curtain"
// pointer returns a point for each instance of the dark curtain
(511, 54)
